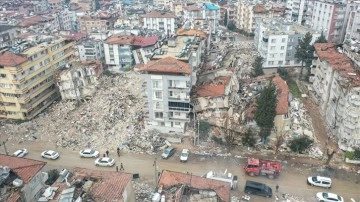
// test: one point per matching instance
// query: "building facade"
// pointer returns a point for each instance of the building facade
(161, 21)
(336, 88)
(353, 21)
(297, 10)
(27, 77)
(276, 41)
(90, 49)
(101, 23)
(167, 92)
(7, 35)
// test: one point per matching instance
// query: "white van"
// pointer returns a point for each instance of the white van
(319, 181)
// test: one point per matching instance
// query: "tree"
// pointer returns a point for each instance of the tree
(203, 128)
(257, 65)
(265, 111)
(330, 155)
(231, 26)
(321, 39)
(52, 176)
(300, 144)
(226, 19)
(304, 52)
(283, 73)
(249, 138)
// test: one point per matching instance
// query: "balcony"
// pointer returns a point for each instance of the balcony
(16, 70)
(18, 81)
(29, 106)
(21, 91)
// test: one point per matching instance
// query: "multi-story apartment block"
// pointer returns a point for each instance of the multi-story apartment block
(177, 8)
(101, 23)
(276, 41)
(328, 17)
(66, 20)
(353, 21)
(162, 3)
(296, 10)
(336, 87)
(55, 3)
(7, 35)
(248, 13)
(90, 49)
(167, 92)
(118, 50)
(162, 21)
(27, 77)
(79, 80)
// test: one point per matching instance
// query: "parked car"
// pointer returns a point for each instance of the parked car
(184, 155)
(89, 153)
(257, 188)
(106, 161)
(168, 152)
(328, 197)
(50, 154)
(20, 153)
(319, 181)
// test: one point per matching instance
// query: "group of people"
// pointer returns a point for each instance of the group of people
(118, 153)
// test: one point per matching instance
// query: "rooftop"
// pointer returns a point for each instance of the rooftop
(282, 106)
(157, 14)
(339, 62)
(191, 32)
(178, 47)
(4, 28)
(25, 168)
(167, 65)
(211, 6)
(169, 179)
(279, 26)
(10, 59)
(132, 40)
(215, 88)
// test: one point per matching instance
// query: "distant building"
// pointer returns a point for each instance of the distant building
(161, 21)
(119, 50)
(352, 20)
(173, 185)
(167, 88)
(7, 35)
(79, 81)
(90, 49)
(28, 77)
(336, 88)
(56, 3)
(21, 178)
(276, 41)
(296, 10)
(102, 22)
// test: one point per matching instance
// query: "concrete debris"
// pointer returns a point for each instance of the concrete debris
(316, 152)
(112, 118)
(142, 191)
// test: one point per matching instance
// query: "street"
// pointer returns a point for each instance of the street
(291, 181)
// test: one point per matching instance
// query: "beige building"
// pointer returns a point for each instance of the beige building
(27, 84)
(80, 80)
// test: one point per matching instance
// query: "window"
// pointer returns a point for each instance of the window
(159, 115)
(162, 123)
(3, 76)
(283, 40)
(5, 85)
(177, 113)
(280, 62)
(290, 47)
(157, 84)
(272, 55)
(281, 54)
(273, 40)
(158, 94)
(271, 62)
(272, 47)
(177, 123)
(282, 47)
(158, 105)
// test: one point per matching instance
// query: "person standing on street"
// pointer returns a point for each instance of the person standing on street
(121, 167)
(117, 168)
(107, 153)
(118, 152)
(277, 188)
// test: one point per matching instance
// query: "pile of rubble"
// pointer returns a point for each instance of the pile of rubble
(112, 117)
(142, 191)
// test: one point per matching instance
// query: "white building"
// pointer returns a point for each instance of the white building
(276, 41)
(90, 49)
(329, 17)
(353, 21)
(66, 21)
(162, 21)
(336, 87)
(167, 92)
(296, 9)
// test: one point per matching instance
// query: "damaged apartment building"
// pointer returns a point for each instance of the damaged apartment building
(79, 80)
(336, 88)
(27, 75)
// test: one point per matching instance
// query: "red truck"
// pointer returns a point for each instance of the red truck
(256, 166)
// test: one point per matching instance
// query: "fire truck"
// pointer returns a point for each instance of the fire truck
(268, 168)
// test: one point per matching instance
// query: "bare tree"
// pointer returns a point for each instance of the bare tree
(230, 132)
(329, 155)
(279, 139)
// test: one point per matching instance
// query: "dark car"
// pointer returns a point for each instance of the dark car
(257, 188)
(168, 152)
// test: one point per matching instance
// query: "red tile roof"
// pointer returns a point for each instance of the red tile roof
(132, 40)
(156, 14)
(31, 21)
(167, 65)
(282, 106)
(169, 179)
(339, 62)
(111, 184)
(14, 197)
(259, 9)
(25, 168)
(10, 59)
(215, 88)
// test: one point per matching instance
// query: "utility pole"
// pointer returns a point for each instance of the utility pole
(156, 173)
(6, 151)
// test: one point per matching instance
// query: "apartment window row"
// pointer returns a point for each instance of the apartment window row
(8, 104)
(38, 55)
(159, 115)
(274, 62)
(283, 40)
(273, 48)
(5, 85)
(28, 82)
(10, 95)
(58, 55)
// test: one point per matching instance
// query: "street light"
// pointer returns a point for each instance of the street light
(6, 151)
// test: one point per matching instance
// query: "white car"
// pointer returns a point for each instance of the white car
(184, 155)
(20, 152)
(89, 153)
(328, 197)
(106, 161)
(50, 154)
(319, 181)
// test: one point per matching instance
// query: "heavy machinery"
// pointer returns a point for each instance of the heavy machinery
(256, 166)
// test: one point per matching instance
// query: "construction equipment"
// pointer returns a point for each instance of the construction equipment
(256, 166)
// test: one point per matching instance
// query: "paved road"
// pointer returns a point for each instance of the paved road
(291, 181)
